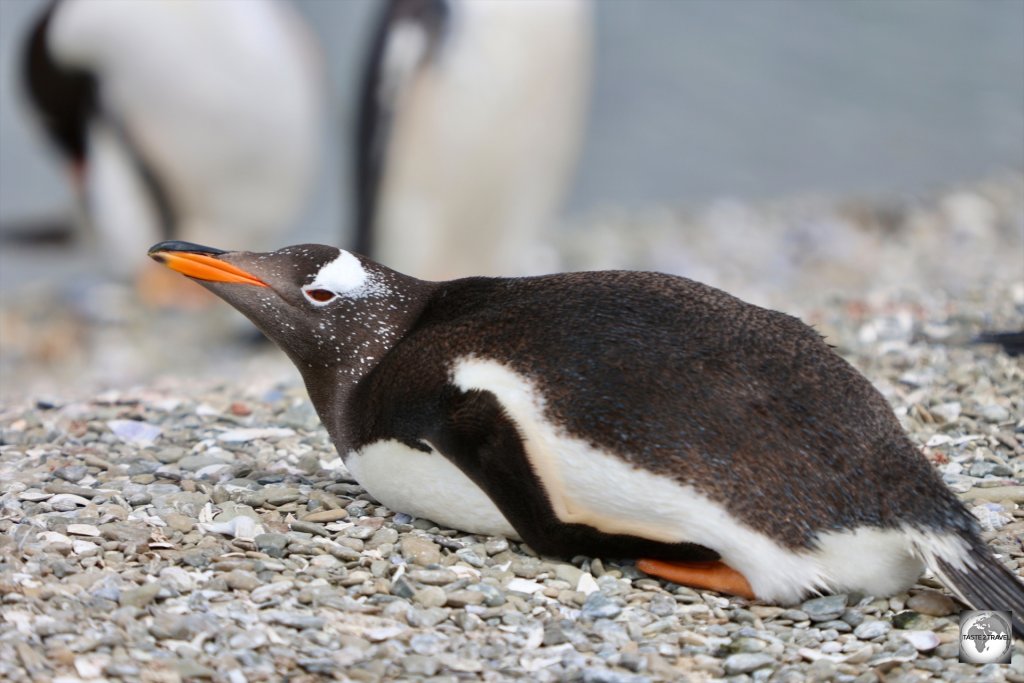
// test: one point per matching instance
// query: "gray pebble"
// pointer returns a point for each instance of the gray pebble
(745, 662)
(994, 413)
(141, 596)
(384, 535)
(426, 618)
(272, 544)
(825, 608)
(598, 675)
(72, 473)
(193, 463)
(600, 606)
(239, 579)
(432, 577)
(870, 630)
(430, 596)
(419, 665)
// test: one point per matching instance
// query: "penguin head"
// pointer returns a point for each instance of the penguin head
(324, 306)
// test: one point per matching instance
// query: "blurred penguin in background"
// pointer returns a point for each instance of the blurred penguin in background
(471, 115)
(195, 121)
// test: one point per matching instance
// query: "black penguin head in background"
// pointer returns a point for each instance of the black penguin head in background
(327, 308)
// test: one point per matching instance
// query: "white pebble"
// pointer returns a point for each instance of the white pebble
(243, 435)
(524, 586)
(135, 432)
(84, 548)
(587, 584)
(922, 641)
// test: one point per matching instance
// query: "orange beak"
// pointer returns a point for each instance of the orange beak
(202, 266)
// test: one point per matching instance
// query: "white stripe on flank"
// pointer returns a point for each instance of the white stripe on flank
(589, 486)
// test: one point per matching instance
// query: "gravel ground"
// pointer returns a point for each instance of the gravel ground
(198, 524)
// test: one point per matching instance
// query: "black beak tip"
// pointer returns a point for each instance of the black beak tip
(189, 247)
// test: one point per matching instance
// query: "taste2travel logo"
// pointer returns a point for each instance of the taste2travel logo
(985, 637)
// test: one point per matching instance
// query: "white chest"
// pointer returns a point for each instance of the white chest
(426, 485)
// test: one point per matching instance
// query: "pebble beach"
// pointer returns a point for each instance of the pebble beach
(172, 510)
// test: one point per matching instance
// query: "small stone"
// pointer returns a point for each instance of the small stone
(568, 573)
(432, 577)
(946, 412)
(241, 580)
(281, 495)
(135, 432)
(66, 502)
(84, 548)
(272, 544)
(83, 530)
(310, 528)
(472, 556)
(825, 608)
(745, 662)
(912, 621)
(493, 546)
(141, 596)
(796, 615)
(746, 644)
(170, 454)
(420, 550)
(932, 602)
(923, 641)
(72, 473)
(870, 630)
(420, 665)
(600, 606)
(177, 579)
(244, 435)
(461, 598)
(179, 522)
(402, 588)
(385, 535)
(269, 591)
(427, 617)
(326, 516)
(239, 409)
(994, 413)
(292, 619)
(194, 463)
(430, 596)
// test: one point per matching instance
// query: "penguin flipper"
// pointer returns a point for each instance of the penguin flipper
(716, 576)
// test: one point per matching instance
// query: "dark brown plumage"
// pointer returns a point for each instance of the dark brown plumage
(747, 406)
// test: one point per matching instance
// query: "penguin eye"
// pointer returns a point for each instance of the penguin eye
(319, 296)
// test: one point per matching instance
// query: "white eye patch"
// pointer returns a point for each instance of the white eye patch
(345, 276)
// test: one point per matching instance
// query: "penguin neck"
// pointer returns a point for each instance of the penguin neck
(332, 389)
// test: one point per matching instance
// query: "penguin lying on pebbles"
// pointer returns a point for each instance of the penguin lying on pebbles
(621, 414)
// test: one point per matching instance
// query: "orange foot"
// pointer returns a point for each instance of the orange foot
(706, 575)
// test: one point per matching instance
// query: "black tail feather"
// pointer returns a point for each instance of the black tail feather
(985, 583)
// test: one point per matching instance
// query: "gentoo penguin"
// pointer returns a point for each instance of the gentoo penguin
(469, 123)
(623, 414)
(194, 120)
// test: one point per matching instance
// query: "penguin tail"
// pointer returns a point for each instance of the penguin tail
(981, 581)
